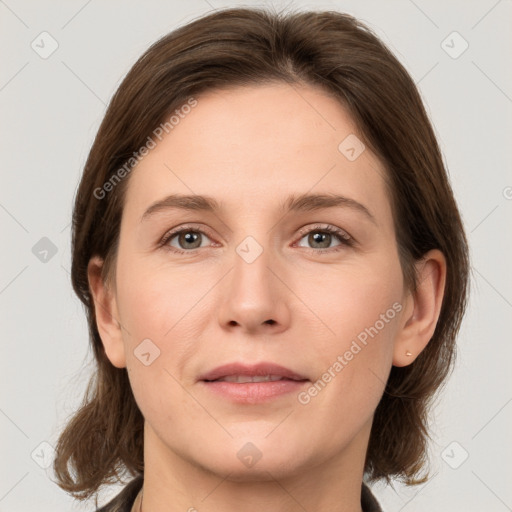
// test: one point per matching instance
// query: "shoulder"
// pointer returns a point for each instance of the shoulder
(123, 502)
(368, 501)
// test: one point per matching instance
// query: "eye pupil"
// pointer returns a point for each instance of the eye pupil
(322, 238)
(190, 237)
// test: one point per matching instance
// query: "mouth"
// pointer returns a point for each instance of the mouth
(256, 383)
(242, 379)
(242, 373)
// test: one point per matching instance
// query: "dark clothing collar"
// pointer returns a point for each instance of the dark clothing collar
(123, 502)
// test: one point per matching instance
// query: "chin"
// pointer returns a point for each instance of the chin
(262, 471)
(259, 460)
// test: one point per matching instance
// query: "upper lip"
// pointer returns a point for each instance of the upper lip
(260, 369)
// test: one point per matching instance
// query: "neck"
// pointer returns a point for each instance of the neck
(174, 483)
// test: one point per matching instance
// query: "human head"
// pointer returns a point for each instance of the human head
(240, 48)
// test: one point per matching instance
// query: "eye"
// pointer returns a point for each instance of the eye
(185, 239)
(321, 238)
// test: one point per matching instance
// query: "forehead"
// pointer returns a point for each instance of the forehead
(255, 144)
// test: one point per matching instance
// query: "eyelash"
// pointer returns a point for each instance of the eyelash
(344, 239)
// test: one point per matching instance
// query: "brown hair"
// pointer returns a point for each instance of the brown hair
(236, 47)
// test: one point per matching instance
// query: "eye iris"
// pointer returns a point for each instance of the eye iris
(190, 237)
(322, 238)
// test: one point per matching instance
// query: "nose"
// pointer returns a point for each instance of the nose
(254, 296)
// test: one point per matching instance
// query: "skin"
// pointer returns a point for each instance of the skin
(250, 148)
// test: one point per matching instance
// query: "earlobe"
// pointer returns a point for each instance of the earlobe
(422, 309)
(105, 308)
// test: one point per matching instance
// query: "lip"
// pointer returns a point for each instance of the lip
(253, 370)
(253, 392)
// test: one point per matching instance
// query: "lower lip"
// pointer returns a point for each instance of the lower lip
(255, 392)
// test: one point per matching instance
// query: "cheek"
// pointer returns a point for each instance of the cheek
(162, 318)
(358, 313)
(352, 303)
(166, 307)
(156, 302)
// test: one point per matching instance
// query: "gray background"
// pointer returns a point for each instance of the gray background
(51, 108)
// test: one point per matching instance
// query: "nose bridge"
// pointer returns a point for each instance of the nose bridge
(251, 278)
(253, 297)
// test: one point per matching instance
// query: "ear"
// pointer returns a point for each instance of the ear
(422, 308)
(106, 312)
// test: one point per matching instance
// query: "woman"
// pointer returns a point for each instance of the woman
(274, 270)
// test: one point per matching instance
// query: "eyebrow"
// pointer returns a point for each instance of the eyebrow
(293, 203)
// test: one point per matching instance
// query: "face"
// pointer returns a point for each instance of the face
(264, 276)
